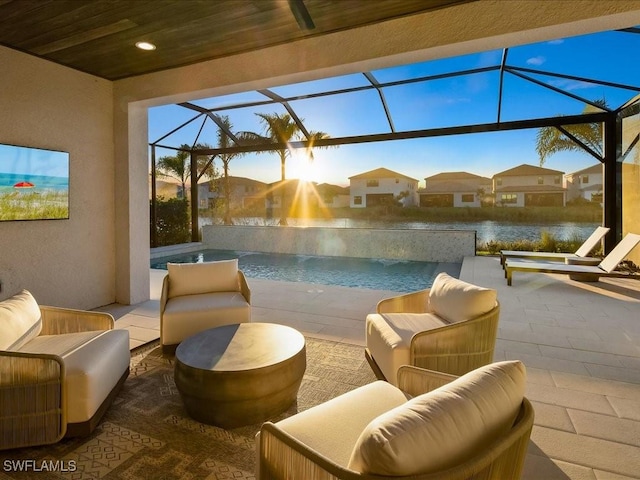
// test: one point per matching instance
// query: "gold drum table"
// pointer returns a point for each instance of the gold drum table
(240, 374)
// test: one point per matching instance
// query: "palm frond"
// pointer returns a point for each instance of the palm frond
(550, 140)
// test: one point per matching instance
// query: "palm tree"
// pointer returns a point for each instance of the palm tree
(178, 166)
(225, 141)
(281, 128)
(550, 140)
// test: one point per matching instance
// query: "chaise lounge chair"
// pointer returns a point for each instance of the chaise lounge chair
(592, 272)
(588, 245)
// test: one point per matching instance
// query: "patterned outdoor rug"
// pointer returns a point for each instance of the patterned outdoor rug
(146, 434)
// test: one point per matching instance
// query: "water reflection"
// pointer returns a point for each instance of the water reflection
(396, 275)
(488, 230)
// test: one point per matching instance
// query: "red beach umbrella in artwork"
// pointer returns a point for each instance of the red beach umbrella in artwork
(24, 185)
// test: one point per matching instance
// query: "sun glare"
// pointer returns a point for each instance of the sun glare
(304, 168)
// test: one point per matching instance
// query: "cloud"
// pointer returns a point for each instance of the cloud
(539, 60)
(559, 41)
(455, 101)
(570, 85)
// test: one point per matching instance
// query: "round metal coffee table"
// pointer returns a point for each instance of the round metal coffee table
(240, 374)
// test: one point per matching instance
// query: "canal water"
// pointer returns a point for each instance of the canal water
(486, 230)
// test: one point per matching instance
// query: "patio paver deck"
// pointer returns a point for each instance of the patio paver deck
(579, 341)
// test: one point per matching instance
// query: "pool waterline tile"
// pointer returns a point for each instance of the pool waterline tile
(367, 273)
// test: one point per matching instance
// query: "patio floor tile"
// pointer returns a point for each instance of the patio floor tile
(607, 427)
(569, 398)
(539, 467)
(552, 416)
(588, 451)
(579, 341)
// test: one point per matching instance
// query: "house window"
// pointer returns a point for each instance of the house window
(509, 198)
(556, 180)
(540, 180)
(467, 197)
(397, 180)
(498, 181)
(585, 179)
(372, 183)
(357, 200)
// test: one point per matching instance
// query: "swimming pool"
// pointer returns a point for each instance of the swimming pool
(396, 275)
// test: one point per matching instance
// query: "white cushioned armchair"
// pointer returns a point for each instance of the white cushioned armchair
(450, 328)
(199, 296)
(60, 369)
(434, 426)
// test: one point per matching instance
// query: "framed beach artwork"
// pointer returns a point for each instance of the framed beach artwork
(34, 183)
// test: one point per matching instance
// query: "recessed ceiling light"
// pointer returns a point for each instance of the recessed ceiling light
(145, 46)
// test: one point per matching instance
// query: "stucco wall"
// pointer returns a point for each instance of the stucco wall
(424, 245)
(70, 262)
(359, 187)
(457, 199)
(631, 182)
(630, 203)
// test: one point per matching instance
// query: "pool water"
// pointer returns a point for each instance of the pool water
(396, 275)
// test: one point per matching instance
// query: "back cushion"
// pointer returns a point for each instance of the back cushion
(19, 320)
(195, 278)
(457, 301)
(445, 427)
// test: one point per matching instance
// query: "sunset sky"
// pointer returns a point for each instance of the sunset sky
(463, 100)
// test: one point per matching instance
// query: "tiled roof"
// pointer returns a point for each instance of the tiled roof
(240, 181)
(328, 188)
(451, 187)
(530, 188)
(456, 176)
(596, 187)
(381, 173)
(525, 169)
(597, 168)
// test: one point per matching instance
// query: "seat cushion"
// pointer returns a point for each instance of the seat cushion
(60, 345)
(457, 301)
(190, 314)
(94, 362)
(195, 278)
(388, 338)
(332, 428)
(19, 320)
(444, 427)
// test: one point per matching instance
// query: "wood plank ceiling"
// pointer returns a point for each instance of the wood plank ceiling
(99, 36)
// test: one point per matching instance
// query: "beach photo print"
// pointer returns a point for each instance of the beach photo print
(34, 183)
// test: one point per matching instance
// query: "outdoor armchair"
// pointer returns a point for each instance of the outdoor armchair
(450, 328)
(60, 369)
(589, 244)
(433, 426)
(199, 296)
(606, 268)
